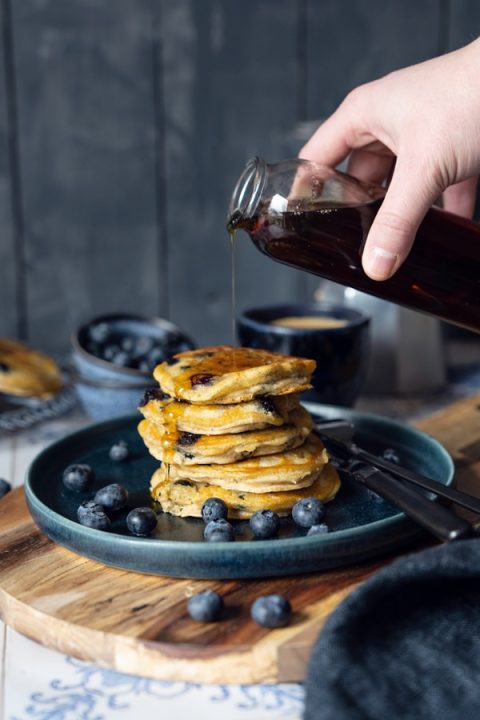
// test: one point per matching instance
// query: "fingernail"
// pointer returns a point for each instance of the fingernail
(380, 263)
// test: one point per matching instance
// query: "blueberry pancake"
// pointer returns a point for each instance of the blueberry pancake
(267, 473)
(185, 498)
(225, 374)
(25, 372)
(172, 446)
(258, 414)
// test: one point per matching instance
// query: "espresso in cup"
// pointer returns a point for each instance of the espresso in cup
(309, 322)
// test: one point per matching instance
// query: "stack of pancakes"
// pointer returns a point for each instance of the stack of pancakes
(227, 422)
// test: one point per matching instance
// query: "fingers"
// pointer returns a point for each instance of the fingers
(410, 194)
(460, 198)
(370, 166)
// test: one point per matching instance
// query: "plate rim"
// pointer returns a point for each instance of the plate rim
(205, 550)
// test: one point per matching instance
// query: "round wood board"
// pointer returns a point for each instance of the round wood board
(138, 624)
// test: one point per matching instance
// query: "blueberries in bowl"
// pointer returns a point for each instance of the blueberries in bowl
(131, 342)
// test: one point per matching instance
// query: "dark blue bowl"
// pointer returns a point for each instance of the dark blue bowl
(106, 390)
(341, 353)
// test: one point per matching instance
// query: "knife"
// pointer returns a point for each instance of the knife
(441, 521)
(335, 435)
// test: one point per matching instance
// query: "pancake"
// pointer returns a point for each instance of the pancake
(269, 473)
(224, 374)
(188, 448)
(25, 372)
(185, 498)
(257, 414)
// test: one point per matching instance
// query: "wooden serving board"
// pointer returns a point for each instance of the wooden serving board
(139, 624)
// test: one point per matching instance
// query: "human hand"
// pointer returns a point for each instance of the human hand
(419, 128)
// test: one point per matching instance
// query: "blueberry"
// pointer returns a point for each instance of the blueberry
(119, 451)
(109, 352)
(155, 356)
(218, 531)
(144, 367)
(271, 611)
(5, 487)
(78, 477)
(99, 333)
(93, 515)
(143, 345)
(320, 529)
(308, 511)
(4, 367)
(141, 521)
(127, 344)
(112, 497)
(121, 359)
(206, 606)
(265, 524)
(391, 455)
(214, 509)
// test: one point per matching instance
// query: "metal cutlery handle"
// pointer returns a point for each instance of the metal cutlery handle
(456, 496)
(331, 434)
(439, 520)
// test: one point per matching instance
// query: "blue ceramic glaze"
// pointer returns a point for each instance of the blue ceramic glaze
(341, 353)
(106, 390)
(361, 527)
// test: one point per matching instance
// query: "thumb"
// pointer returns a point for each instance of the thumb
(410, 194)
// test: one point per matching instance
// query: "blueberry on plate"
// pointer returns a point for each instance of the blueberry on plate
(214, 509)
(119, 451)
(320, 529)
(93, 515)
(141, 521)
(271, 611)
(308, 511)
(5, 487)
(265, 524)
(206, 606)
(112, 497)
(219, 531)
(78, 477)
(391, 455)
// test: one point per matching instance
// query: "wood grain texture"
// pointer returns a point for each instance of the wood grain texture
(139, 623)
(87, 138)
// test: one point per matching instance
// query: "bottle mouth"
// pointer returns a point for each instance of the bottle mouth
(248, 191)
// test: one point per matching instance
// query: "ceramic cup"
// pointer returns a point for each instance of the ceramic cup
(339, 344)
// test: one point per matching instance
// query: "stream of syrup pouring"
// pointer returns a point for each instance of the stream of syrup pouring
(233, 306)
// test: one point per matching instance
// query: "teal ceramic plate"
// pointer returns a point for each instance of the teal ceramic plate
(361, 525)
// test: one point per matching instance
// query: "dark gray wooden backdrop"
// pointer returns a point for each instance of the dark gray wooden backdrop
(125, 123)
